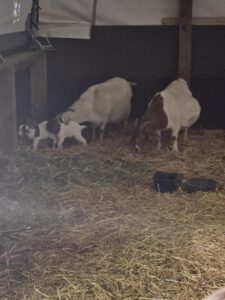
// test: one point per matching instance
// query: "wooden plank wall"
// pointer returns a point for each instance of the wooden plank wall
(8, 136)
(39, 88)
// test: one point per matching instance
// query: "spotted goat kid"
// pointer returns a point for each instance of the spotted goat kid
(54, 129)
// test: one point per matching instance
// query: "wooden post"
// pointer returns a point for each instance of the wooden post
(39, 88)
(8, 132)
(36, 60)
(185, 39)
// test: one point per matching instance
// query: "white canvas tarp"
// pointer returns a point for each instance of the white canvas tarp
(69, 19)
(151, 12)
(209, 8)
(135, 12)
(13, 15)
(73, 18)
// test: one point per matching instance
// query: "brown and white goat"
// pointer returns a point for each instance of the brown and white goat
(171, 109)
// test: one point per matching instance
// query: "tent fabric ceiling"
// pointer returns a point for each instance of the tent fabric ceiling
(73, 19)
(151, 12)
(70, 18)
(67, 18)
(131, 12)
(209, 8)
(13, 15)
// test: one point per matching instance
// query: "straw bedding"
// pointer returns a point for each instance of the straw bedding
(83, 223)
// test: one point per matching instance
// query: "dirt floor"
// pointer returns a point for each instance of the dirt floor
(83, 223)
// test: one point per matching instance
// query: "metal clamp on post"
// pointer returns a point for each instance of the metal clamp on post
(32, 29)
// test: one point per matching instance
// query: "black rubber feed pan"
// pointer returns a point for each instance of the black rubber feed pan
(200, 184)
(166, 182)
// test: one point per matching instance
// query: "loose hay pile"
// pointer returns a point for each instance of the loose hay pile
(82, 223)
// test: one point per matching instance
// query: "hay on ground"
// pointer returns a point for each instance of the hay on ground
(82, 223)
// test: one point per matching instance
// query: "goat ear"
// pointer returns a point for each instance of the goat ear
(21, 130)
(37, 131)
(61, 119)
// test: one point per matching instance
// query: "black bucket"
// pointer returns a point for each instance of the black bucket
(200, 184)
(167, 182)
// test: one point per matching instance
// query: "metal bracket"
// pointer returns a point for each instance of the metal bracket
(42, 45)
(36, 41)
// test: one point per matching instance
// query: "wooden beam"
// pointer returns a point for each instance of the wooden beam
(185, 39)
(39, 88)
(196, 21)
(8, 132)
(19, 60)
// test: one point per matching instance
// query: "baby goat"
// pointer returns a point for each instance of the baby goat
(54, 129)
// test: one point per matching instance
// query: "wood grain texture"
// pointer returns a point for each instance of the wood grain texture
(185, 39)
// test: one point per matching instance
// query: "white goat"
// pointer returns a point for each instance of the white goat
(107, 102)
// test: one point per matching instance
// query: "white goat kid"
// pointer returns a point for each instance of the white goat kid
(72, 129)
(53, 129)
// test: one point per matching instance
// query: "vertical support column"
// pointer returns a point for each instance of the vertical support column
(8, 132)
(39, 88)
(185, 39)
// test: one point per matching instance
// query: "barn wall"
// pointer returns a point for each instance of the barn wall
(147, 55)
(11, 43)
